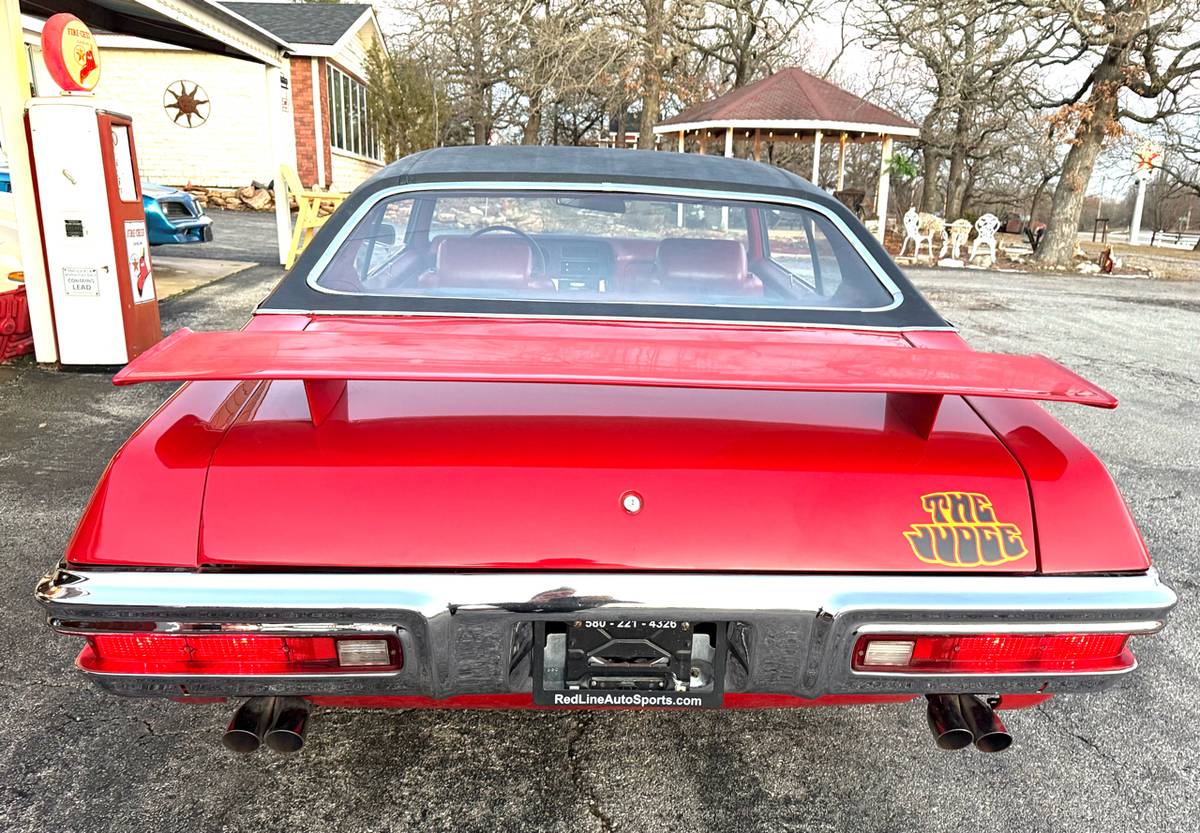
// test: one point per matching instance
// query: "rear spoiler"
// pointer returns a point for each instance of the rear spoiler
(914, 379)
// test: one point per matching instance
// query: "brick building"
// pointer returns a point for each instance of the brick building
(329, 45)
(202, 118)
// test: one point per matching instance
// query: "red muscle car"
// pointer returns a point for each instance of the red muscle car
(554, 427)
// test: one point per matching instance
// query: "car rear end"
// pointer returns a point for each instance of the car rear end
(450, 542)
(722, 455)
(521, 639)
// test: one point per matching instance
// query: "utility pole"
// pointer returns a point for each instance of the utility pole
(1135, 228)
(1146, 159)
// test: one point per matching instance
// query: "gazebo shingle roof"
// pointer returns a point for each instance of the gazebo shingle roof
(790, 95)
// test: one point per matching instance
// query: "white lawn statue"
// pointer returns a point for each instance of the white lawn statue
(985, 230)
(955, 237)
(919, 230)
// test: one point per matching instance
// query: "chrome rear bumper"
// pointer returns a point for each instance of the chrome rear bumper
(462, 633)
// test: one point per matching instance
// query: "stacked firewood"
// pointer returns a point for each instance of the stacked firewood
(254, 197)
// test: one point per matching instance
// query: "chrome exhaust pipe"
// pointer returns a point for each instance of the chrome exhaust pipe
(286, 733)
(986, 726)
(946, 721)
(245, 731)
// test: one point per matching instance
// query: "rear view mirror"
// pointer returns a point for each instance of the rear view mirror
(385, 234)
(595, 202)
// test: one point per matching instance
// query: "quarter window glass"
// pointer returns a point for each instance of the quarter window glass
(803, 244)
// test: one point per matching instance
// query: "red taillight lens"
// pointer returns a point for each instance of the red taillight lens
(993, 653)
(157, 653)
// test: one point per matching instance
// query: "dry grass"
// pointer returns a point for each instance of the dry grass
(1123, 249)
(1169, 264)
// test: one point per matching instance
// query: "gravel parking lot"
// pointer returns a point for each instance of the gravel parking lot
(73, 759)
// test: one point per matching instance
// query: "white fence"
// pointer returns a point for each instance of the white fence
(1162, 240)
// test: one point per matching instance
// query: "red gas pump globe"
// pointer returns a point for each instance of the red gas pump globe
(69, 50)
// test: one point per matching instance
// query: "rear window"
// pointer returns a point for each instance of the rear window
(602, 247)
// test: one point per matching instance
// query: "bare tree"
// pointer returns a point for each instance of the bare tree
(968, 51)
(1143, 54)
(406, 102)
(654, 30)
(473, 44)
(567, 49)
(1181, 159)
(1012, 169)
(745, 39)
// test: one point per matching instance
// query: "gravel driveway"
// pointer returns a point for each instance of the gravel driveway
(73, 759)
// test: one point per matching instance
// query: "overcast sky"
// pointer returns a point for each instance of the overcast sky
(823, 36)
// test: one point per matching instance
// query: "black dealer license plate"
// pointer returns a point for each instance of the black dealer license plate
(637, 663)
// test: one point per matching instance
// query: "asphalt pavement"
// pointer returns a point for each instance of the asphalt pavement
(75, 759)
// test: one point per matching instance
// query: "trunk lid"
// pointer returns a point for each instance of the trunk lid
(474, 475)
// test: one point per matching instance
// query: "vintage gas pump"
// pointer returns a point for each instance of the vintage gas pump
(90, 202)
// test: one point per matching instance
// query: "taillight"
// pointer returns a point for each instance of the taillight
(158, 653)
(993, 653)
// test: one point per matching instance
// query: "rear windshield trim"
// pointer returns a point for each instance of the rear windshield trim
(749, 322)
(606, 308)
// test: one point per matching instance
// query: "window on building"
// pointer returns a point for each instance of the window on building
(349, 128)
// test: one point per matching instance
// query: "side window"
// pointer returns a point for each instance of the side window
(371, 248)
(802, 243)
(388, 239)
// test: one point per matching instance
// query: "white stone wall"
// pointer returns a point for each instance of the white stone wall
(231, 149)
(350, 171)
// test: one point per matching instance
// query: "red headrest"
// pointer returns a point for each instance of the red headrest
(705, 265)
(484, 261)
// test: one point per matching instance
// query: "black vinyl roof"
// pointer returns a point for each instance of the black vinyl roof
(573, 167)
(537, 163)
(320, 23)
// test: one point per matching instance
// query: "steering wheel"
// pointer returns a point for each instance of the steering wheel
(537, 249)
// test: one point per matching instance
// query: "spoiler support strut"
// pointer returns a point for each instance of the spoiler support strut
(918, 410)
(323, 395)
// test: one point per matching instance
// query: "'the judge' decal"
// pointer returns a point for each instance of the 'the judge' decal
(964, 532)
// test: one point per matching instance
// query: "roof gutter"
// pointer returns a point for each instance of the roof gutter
(217, 9)
(784, 125)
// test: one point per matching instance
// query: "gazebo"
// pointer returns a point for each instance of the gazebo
(795, 106)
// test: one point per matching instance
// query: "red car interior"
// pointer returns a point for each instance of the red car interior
(686, 265)
(676, 266)
(504, 263)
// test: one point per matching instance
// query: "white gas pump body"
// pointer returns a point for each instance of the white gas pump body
(89, 199)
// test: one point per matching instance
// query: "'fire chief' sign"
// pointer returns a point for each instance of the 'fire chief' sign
(70, 52)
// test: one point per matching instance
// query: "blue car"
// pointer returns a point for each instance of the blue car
(174, 216)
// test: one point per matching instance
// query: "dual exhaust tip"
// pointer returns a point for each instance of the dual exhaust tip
(279, 722)
(958, 720)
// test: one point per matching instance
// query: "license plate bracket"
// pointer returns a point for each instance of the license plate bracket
(639, 663)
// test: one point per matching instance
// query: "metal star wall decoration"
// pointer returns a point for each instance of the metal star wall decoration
(190, 105)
